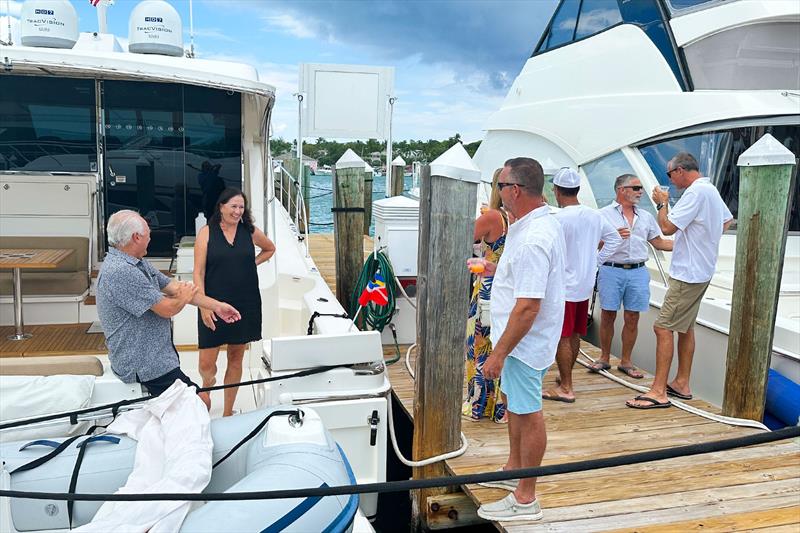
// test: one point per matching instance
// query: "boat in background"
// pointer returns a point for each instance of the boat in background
(617, 87)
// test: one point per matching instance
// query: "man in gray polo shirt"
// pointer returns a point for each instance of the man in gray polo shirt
(135, 303)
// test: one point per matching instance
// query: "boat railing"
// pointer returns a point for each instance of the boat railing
(657, 259)
(290, 192)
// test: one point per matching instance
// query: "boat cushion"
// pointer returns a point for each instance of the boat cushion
(69, 278)
(51, 366)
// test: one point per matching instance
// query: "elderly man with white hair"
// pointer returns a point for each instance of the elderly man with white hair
(135, 302)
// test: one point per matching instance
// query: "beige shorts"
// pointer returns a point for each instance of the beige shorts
(681, 304)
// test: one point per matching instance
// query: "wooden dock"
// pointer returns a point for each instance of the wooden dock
(754, 488)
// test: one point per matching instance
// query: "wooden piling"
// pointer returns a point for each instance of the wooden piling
(766, 190)
(368, 179)
(348, 223)
(398, 167)
(306, 184)
(447, 205)
(293, 166)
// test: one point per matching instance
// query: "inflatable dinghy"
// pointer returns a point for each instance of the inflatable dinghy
(289, 452)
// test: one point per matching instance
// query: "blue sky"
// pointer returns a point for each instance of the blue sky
(454, 60)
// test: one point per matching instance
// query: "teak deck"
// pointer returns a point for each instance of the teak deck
(754, 488)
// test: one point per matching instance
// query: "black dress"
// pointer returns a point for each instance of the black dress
(231, 277)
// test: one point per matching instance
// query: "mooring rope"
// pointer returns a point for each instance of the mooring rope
(445, 481)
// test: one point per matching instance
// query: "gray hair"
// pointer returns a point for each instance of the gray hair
(624, 179)
(686, 161)
(122, 225)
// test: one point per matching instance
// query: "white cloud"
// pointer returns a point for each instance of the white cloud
(211, 33)
(290, 24)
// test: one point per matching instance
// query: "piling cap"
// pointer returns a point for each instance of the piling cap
(350, 159)
(398, 162)
(767, 151)
(455, 163)
(368, 168)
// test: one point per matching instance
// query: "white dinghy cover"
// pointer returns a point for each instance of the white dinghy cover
(173, 454)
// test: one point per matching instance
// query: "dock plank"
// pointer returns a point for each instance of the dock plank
(753, 488)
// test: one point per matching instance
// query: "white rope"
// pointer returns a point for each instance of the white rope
(744, 422)
(408, 361)
(421, 462)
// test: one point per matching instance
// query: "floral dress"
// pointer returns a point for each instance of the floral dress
(483, 396)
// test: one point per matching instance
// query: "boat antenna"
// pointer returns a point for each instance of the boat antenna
(102, 20)
(8, 19)
(191, 31)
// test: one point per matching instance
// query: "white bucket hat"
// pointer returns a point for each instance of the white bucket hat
(567, 178)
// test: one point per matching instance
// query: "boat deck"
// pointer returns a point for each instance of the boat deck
(754, 488)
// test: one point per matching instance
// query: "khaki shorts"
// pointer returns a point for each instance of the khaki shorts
(681, 304)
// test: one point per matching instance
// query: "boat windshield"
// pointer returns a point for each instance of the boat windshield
(717, 153)
(681, 6)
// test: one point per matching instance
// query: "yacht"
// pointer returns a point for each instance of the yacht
(617, 86)
(90, 125)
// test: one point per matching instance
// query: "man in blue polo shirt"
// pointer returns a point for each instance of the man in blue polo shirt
(135, 303)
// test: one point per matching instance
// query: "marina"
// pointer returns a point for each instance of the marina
(346, 304)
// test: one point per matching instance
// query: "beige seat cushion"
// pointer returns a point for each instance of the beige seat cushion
(70, 278)
(75, 365)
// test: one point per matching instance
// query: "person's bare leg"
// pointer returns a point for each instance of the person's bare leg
(629, 333)
(533, 441)
(607, 319)
(685, 358)
(233, 374)
(207, 365)
(664, 351)
(514, 436)
(565, 360)
(575, 346)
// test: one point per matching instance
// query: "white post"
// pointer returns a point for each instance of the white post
(102, 24)
(299, 97)
(388, 171)
(191, 30)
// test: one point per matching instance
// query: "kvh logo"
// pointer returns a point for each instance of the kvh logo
(45, 12)
(153, 19)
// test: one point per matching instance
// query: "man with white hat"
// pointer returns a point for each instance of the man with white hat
(584, 231)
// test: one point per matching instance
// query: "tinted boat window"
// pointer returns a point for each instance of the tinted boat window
(597, 15)
(562, 28)
(680, 5)
(47, 124)
(717, 153)
(603, 172)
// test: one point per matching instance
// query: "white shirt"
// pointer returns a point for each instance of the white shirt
(584, 228)
(532, 266)
(644, 229)
(699, 215)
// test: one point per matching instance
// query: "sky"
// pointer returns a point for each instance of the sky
(454, 60)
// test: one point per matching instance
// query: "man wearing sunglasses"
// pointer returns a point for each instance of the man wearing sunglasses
(698, 220)
(623, 278)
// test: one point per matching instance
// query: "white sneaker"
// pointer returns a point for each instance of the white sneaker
(506, 484)
(509, 509)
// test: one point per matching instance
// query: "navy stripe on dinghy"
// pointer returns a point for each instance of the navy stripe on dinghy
(73, 480)
(347, 515)
(42, 460)
(290, 517)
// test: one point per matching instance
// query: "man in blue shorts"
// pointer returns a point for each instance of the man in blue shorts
(623, 278)
(527, 309)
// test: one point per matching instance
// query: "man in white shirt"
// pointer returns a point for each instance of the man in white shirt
(623, 278)
(527, 308)
(697, 221)
(584, 230)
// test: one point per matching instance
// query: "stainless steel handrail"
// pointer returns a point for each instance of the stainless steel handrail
(658, 264)
(298, 203)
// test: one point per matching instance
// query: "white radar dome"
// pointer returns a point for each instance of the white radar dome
(155, 28)
(48, 23)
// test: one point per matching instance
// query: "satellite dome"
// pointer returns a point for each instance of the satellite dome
(48, 23)
(155, 28)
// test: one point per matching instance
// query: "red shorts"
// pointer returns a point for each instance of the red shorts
(576, 318)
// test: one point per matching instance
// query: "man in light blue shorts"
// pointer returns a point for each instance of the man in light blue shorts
(527, 308)
(623, 278)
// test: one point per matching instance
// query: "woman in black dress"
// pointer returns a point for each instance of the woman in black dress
(225, 268)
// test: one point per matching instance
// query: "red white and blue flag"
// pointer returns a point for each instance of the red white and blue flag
(94, 2)
(374, 292)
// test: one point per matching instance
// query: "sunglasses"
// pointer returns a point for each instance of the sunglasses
(669, 172)
(636, 188)
(503, 184)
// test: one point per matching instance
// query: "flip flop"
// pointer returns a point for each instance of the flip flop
(673, 392)
(654, 404)
(556, 398)
(597, 366)
(630, 371)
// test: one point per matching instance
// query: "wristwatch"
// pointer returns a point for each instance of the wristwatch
(660, 206)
